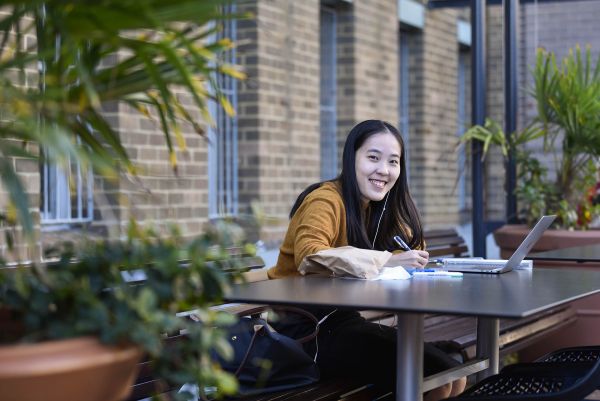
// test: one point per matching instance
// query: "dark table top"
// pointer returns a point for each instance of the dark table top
(510, 295)
(585, 253)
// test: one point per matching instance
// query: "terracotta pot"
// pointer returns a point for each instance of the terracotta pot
(74, 369)
(509, 236)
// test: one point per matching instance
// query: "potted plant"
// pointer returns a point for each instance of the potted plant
(568, 126)
(61, 63)
(81, 324)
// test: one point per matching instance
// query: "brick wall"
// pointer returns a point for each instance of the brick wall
(28, 171)
(279, 108)
(433, 119)
(374, 83)
(367, 65)
(278, 111)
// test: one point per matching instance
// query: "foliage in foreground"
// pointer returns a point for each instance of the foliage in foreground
(62, 62)
(96, 290)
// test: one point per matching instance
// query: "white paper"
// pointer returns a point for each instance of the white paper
(393, 273)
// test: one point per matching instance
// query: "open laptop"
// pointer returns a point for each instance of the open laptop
(500, 266)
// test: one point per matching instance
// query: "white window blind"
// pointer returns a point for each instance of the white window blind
(328, 112)
(67, 194)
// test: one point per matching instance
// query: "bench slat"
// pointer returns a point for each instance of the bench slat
(455, 251)
(325, 390)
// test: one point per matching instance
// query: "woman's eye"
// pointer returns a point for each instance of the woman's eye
(372, 157)
(395, 162)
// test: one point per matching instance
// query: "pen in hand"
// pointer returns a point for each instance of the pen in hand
(398, 240)
(401, 243)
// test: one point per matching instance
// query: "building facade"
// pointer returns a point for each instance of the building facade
(315, 68)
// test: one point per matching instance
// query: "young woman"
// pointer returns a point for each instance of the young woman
(365, 207)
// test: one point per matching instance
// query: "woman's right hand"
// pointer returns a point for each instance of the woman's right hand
(415, 258)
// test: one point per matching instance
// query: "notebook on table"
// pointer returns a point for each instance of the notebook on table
(476, 265)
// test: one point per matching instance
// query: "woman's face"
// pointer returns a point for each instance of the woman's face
(377, 166)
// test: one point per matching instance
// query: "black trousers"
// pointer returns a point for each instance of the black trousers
(348, 346)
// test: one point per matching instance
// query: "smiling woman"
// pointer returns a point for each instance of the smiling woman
(365, 206)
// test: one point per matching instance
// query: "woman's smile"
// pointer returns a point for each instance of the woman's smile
(378, 183)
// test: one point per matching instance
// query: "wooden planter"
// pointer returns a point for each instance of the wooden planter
(586, 329)
(73, 369)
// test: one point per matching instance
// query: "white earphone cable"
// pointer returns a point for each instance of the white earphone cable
(379, 221)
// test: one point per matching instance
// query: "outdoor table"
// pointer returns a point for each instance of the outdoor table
(581, 254)
(515, 294)
(587, 310)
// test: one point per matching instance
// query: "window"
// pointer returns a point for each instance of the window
(223, 138)
(462, 121)
(328, 113)
(67, 194)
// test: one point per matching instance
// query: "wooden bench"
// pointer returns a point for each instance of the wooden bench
(458, 333)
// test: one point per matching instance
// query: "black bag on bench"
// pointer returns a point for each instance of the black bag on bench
(265, 360)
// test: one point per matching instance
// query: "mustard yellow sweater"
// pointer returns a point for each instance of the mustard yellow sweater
(319, 223)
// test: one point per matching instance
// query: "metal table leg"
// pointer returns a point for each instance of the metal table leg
(409, 357)
(488, 339)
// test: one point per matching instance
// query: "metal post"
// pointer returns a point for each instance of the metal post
(511, 10)
(488, 332)
(478, 112)
(409, 357)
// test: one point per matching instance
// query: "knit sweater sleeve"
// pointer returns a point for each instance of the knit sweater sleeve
(320, 224)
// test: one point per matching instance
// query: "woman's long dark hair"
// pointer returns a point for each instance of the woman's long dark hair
(402, 217)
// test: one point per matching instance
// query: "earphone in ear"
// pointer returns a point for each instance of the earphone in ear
(379, 221)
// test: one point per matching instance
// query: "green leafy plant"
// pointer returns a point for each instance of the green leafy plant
(86, 292)
(568, 121)
(62, 62)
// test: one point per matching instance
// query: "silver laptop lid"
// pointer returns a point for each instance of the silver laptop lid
(529, 241)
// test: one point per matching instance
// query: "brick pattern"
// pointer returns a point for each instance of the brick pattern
(434, 118)
(346, 114)
(279, 108)
(248, 109)
(28, 171)
(159, 195)
(367, 65)
(375, 58)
